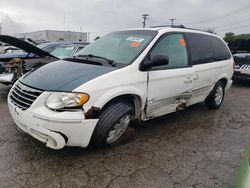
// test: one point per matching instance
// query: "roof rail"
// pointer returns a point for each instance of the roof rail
(174, 26)
(179, 26)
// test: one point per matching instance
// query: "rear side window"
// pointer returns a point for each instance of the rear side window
(206, 48)
(201, 48)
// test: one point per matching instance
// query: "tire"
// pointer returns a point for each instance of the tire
(111, 119)
(216, 97)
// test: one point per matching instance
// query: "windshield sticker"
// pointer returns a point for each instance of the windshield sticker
(135, 44)
(182, 42)
(135, 39)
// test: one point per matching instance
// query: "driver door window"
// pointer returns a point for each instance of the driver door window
(174, 46)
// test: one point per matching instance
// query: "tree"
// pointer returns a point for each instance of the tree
(229, 37)
(238, 43)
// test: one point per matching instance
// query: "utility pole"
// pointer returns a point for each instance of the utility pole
(172, 21)
(145, 17)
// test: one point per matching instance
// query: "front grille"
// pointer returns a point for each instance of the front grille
(23, 96)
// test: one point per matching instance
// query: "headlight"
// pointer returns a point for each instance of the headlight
(61, 100)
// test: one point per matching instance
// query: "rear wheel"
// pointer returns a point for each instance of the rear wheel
(216, 97)
(113, 122)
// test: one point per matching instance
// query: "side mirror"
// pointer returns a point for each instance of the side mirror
(157, 60)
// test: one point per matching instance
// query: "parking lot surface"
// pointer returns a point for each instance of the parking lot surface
(193, 148)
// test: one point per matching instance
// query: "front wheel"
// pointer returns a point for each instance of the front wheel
(216, 97)
(113, 122)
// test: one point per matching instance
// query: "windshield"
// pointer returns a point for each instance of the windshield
(43, 45)
(62, 51)
(121, 47)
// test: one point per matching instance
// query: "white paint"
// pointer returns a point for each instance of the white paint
(166, 90)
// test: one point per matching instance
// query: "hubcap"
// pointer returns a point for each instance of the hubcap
(118, 129)
(218, 95)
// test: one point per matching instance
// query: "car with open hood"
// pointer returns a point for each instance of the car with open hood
(13, 65)
(123, 77)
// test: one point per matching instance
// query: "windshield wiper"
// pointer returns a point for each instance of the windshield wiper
(111, 62)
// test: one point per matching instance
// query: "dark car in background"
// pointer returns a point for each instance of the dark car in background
(14, 65)
(242, 67)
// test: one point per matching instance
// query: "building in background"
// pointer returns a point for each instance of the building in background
(53, 35)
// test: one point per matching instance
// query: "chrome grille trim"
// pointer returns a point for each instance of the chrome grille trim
(23, 96)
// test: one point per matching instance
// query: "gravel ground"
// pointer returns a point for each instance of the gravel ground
(193, 148)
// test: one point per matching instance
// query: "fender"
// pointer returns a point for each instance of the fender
(115, 92)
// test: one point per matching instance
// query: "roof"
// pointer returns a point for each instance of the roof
(167, 28)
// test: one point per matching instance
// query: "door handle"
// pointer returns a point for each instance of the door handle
(196, 77)
(188, 80)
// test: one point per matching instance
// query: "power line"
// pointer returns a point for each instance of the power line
(238, 23)
(154, 21)
(236, 27)
(157, 22)
(145, 17)
(221, 16)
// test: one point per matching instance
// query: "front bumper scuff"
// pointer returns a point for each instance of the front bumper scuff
(55, 129)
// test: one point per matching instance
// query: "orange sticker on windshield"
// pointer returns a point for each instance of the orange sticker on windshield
(182, 42)
(135, 44)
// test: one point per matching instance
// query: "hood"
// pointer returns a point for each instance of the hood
(14, 55)
(63, 75)
(24, 46)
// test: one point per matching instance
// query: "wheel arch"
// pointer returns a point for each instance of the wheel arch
(134, 96)
(224, 79)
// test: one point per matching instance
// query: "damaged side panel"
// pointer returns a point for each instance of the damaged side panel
(168, 105)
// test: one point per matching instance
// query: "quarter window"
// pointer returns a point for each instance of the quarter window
(206, 48)
(221, 52)
(175, 47)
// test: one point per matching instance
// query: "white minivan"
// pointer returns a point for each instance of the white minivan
(123, 77)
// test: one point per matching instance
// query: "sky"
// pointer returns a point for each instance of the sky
(102, 16)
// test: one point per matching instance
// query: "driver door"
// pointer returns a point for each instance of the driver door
(169, 86)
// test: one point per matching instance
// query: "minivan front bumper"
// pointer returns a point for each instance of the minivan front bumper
(55, 129)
